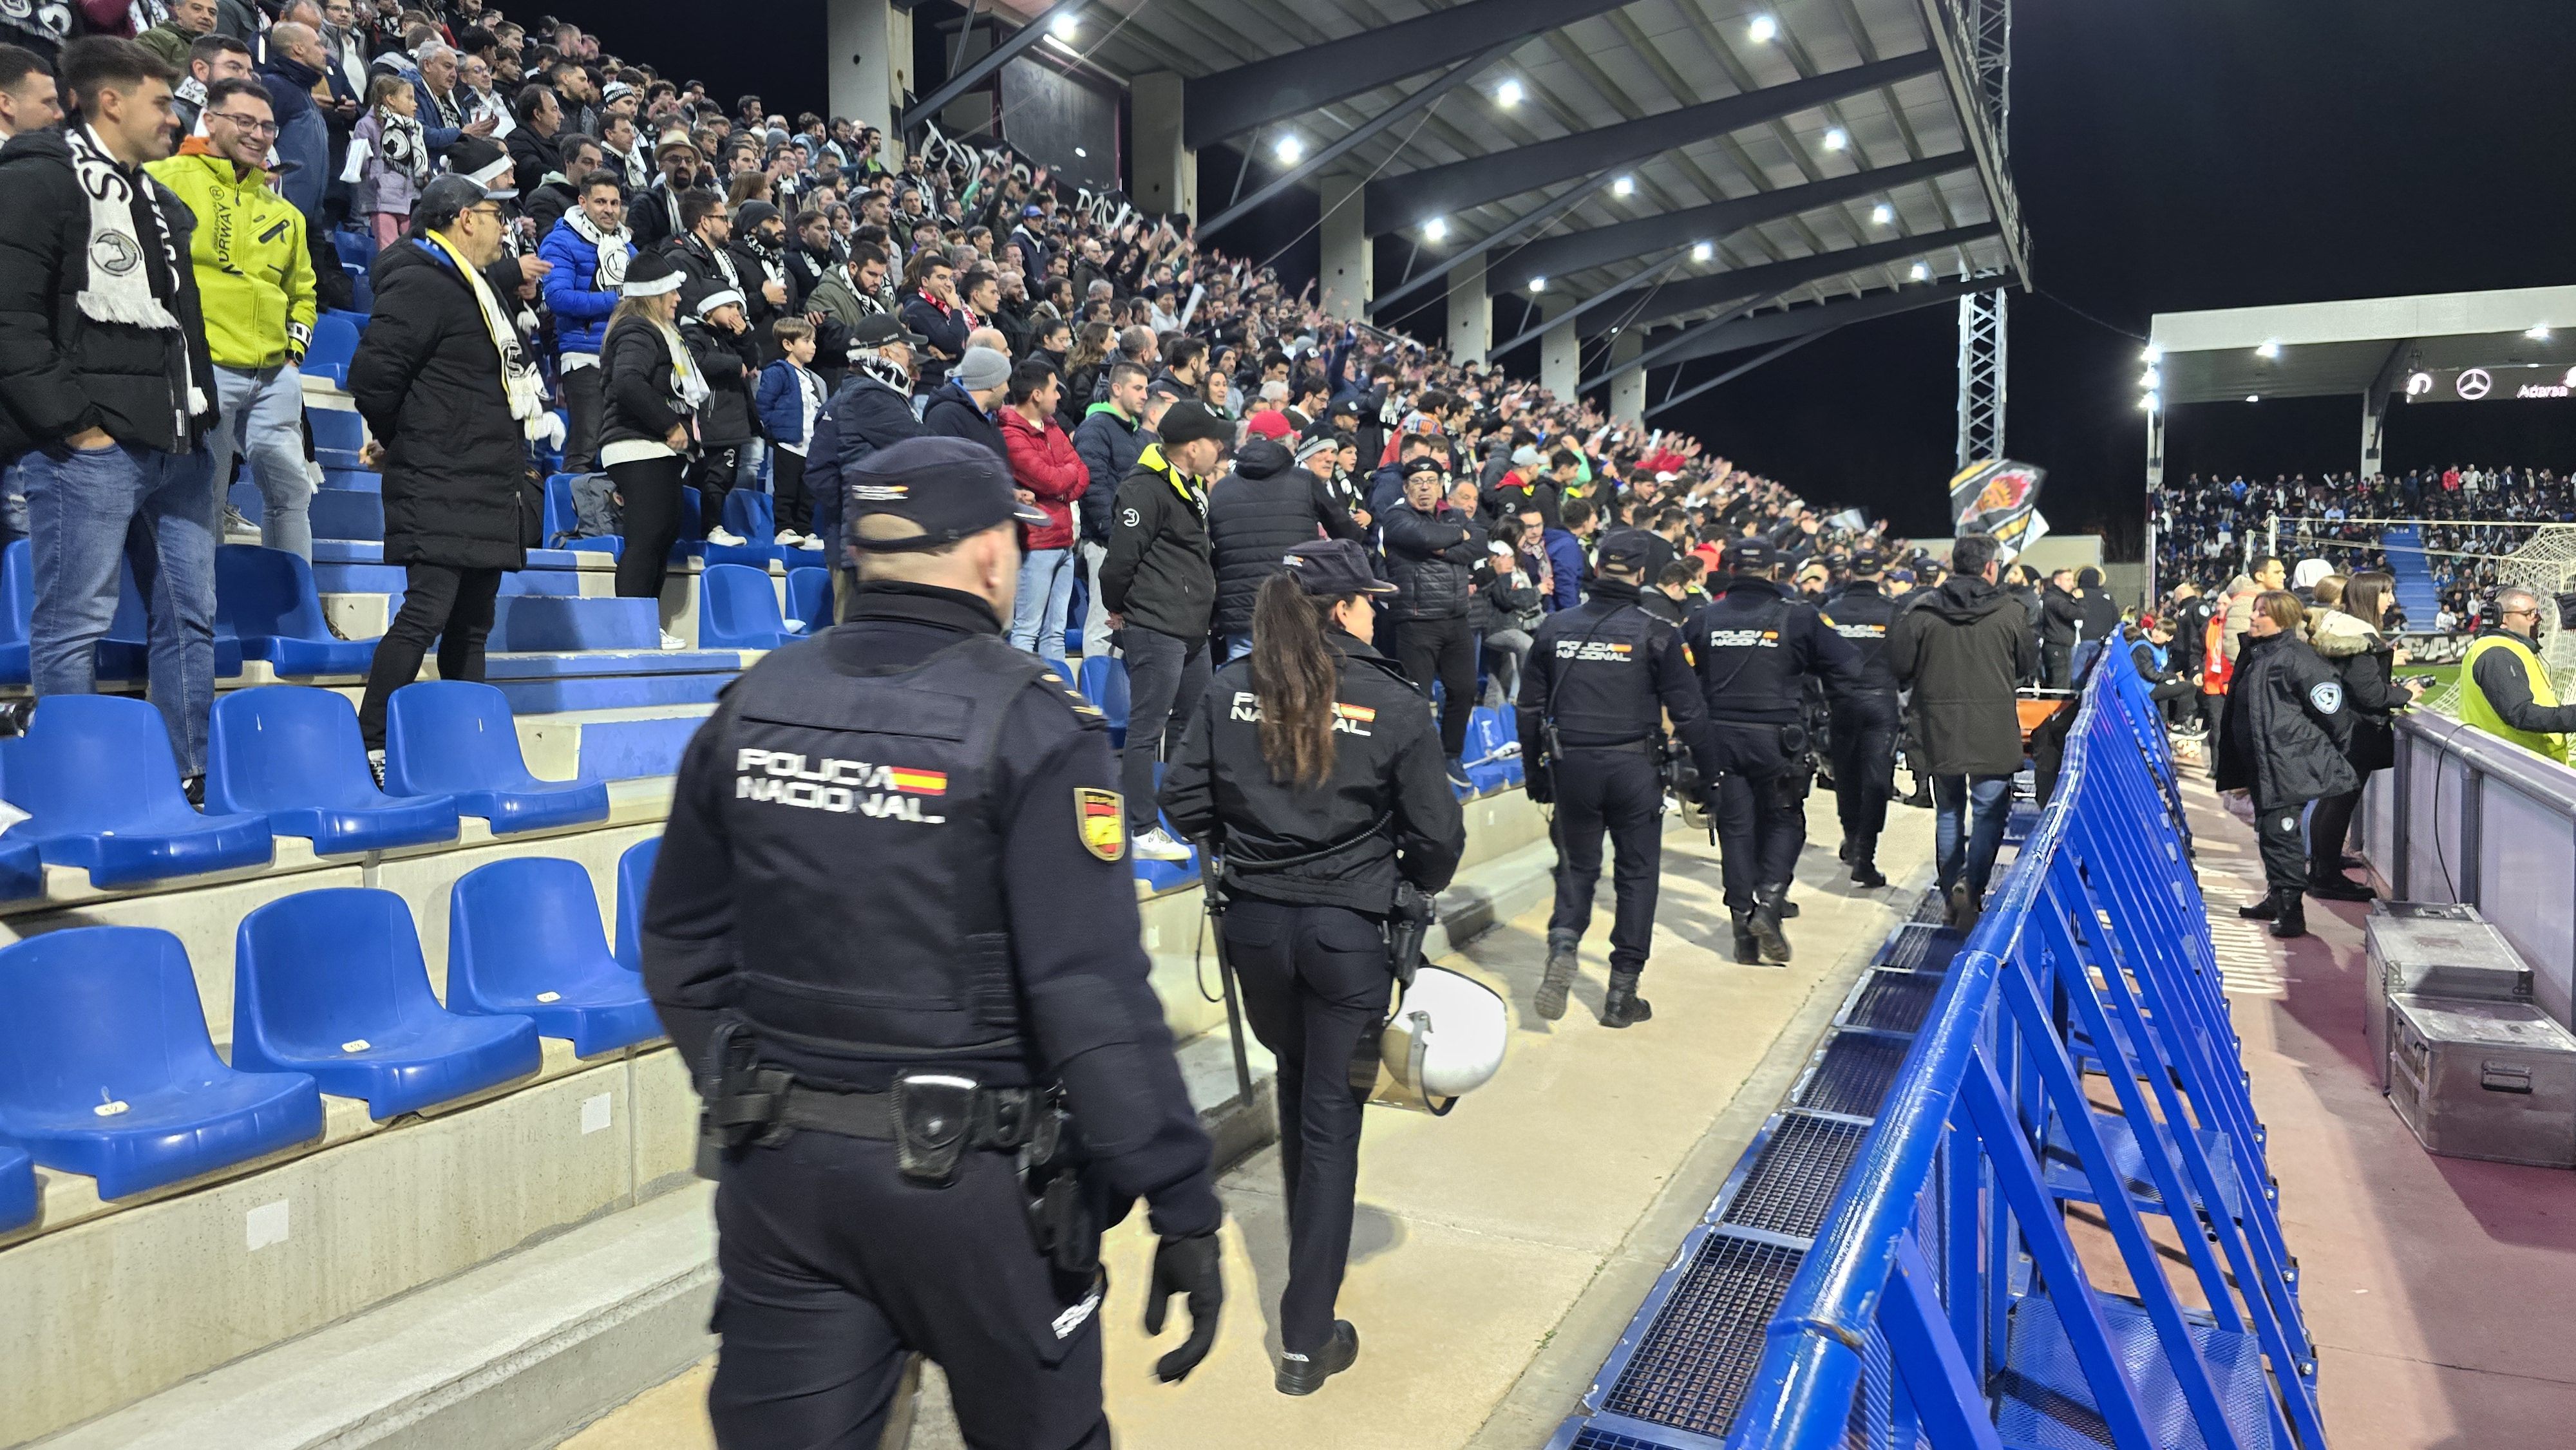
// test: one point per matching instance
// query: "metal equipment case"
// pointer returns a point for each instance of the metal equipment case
(2433, 949)
(2492, 1080)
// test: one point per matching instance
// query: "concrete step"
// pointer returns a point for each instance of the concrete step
(547, 696)
(393, 579)
(609, 744)
(530, 622)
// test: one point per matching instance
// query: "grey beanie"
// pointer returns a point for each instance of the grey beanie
(982, 368)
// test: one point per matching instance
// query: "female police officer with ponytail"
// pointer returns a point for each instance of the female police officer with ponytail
(1315, 769)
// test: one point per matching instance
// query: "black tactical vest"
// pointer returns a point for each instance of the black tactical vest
(1600, 658)
(1747, 649)
(869, 800)
(1861, 615)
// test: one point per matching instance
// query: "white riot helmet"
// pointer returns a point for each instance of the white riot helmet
(1444, 1039)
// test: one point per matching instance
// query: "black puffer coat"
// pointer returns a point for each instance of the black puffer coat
(1431, 560)
(1256, 514)
(428, 381)
(2287, 726)
(635, 372)
(119, 378)
(2362, 660)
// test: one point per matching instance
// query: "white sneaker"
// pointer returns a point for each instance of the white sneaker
(794, 626)
(235, 523)
(727, 537)
(1157, 845)
(376, 767)
(790, 539)
(673, 641)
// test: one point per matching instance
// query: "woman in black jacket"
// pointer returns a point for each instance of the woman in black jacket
(2347, 637)
(1321, 796)
(653, 390)
(443, 381)
(2286, 732)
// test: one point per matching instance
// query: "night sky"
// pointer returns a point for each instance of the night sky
(2169, 156)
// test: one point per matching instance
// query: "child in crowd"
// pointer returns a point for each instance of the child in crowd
(721, 344)
(790, 395)
(394, 164)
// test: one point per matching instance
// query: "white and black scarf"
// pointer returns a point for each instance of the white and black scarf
(404, 146)
(882, 368)
(191, 92)
(773, 260)
(721, 258)
(610, 275)
(520, 381)
(134, 265)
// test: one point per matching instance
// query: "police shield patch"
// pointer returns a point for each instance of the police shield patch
(1101, 817)
(2327, 696)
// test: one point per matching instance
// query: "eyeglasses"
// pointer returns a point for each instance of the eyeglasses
(256, 128)
(494, 212)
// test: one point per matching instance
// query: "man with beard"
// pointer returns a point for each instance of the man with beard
(589, 249)
(759, 250)
(653, 214)
(812, 256)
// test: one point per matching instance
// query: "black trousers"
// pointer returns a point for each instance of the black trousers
(787, 490)
(1314, 982)
(2056, 666)
(451, 606)
(1761, 810)
(1166, 675)
(1617, 791)
(2328, 828)
(2213, 708)
(1442, 649)
(1862, 747)
(711, 474)
(585, 393)
(2284, 846)
(648, 490)
(835, 1270)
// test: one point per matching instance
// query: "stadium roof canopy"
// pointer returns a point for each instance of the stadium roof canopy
(1772, 133)
(2367, 346)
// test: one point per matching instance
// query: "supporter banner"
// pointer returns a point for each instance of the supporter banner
(1998, 497)
(2505, 383)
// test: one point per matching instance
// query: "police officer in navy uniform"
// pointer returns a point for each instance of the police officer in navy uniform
(1864, 717)
(1753, 646)
(1314, 768)
(893, 930)
(1600, 678)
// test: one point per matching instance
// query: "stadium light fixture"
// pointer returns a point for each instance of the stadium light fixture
(1703, 251)
(1764, 29)
(1538, 284)
(2152, 354)
(2151, 380)
(2269, 350)
(1922, 272)
(1436, 229)
(1290, 150)
(2539, 332)
(1624, 186)
(1836, 138)
(2253, 397)
(1508, 94)
(1064, 26)
(2150, 403)
(1882, 214)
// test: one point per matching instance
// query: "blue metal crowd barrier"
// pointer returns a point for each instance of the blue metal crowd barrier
(1892, 1263)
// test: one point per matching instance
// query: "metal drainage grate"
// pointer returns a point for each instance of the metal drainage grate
(1594, 1438)
(1894, 1001)
(1693, 1366)
(1794, 1181)
(1934, 908)
(1855, 1075)
(1917, 947)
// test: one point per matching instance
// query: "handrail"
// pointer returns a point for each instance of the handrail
(2545, 780)
(1802, 1394)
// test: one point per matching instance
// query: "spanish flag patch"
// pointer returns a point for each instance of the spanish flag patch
(1361, 713)
(1100, 817)
(918, 782)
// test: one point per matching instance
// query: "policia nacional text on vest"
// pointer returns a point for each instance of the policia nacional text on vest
(1864, 720)
(1593, 695)
(893, 930)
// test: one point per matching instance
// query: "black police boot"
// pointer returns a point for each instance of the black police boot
(1552, 988)
(2338, 887)
(1788, 908)
(1864, 862)
(1764, 921)
(1747, 950)
(2292, 917)
(1623, 1007)
(1303, 1374)
(1843, 853)
(2264, 910)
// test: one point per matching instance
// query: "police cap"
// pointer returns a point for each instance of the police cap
(1331, 568)
(1627, 549)
(1866, 562)
(1751, 556)
(927, 493)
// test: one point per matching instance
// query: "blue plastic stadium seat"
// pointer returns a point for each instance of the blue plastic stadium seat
(355, 246)
(339, 435)
(455, 737)
(523, 936)
(267, 597)
(97, 775)
(1104, 684)
(1487, 733)
(293, 754)
(18, 1199)
(749, 512)
(634, 881)
(335, 342)
(106, 1068)
(331, 983)
(809, 598)
(22, 869)
(738, 609)
(363, 291)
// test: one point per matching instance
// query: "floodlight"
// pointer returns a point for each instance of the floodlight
(1436, 229)
(1290, 149)
(1763, 29)
(1624, 186)
(2539, 332)
(1063, 26)
(2151, 380)
(2152, 354)
(2253, 397)
(1538, 284)
(2150, 403)
(1921, 272)
(2268, 351)
(1703, 252)
(1508, 94)
(1882, 214)
(1837, 138)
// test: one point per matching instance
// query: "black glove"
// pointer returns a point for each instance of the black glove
(1186, 1266)
(1536, 783)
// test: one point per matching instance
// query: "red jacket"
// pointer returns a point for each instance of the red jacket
(1044, 463)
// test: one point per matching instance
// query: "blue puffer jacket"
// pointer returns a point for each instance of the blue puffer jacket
(572, 293)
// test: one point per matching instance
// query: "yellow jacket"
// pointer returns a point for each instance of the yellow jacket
(254, 274)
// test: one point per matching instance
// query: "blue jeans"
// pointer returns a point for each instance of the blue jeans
(89, 512)
(264, 419)
(1970, 852)
(13, 504)
(1037, 610)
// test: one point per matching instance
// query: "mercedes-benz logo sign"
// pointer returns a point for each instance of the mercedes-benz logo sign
(2474, 384)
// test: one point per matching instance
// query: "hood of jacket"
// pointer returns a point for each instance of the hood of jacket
(1965, 599)
(2337, 635)
(1261, 457)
